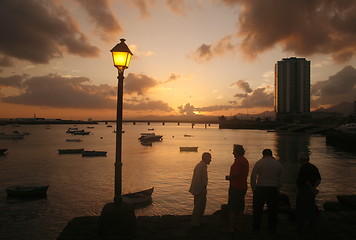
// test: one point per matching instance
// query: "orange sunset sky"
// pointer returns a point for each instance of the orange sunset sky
(210, 57)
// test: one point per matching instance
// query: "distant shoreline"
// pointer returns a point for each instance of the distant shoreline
(44, 121)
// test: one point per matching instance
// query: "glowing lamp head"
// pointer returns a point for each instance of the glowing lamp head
(121, 55)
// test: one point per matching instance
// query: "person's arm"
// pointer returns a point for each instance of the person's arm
(254, 177)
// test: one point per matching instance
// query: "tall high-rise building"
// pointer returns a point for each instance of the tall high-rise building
(292, 86)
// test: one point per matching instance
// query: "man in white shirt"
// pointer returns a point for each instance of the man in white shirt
(266, 182)
(198, 188)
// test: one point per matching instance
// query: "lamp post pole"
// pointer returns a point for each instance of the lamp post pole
(118, 162)
(118, 218)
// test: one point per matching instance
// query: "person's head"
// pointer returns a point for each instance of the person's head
(206, 157)
(267, 152)
(303, 157)
(238, 150)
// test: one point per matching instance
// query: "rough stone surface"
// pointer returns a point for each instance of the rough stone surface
(340, 225)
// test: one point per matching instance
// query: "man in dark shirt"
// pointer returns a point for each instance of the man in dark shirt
(307, 182)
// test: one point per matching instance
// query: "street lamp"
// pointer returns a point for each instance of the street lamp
(118, 218)
(121, 56)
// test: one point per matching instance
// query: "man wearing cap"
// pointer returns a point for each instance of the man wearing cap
(198, 188)
(307, 182)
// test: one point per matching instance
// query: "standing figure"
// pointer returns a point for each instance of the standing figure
(307, 182)
(266, 182)
(237, 189)
(198, 188)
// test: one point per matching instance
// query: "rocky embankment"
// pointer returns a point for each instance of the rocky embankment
(337, 221)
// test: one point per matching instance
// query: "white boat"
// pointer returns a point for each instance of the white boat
(150, 137)
(138, 197)
(188, 149)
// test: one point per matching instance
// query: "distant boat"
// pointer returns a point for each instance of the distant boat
(188, 149)
(3, 150)
(146, 143)
(72, 130)
(90, 127)
(74, 140)
(80, 132)
(23, 191)
(138, 197)
(94, 154)
(151, 129)
(108, 126)
(150, 137)
(70, 151)
(187, 135)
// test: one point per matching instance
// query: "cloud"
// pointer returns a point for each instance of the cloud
(243, 85)
(147, 105)
(178, 7)
(187, 109)
(304, 27)
(138, 83)
(338, 88)
(100, 13)
(38, 31)
(173, 77)
(142, 5)
(258, 98)
(63, 92)
(12, 81)
(207, 52)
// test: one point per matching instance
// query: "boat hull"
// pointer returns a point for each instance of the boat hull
(27, 191)
(138, 197)
(71, 151)
(188, 149)
(94, 154)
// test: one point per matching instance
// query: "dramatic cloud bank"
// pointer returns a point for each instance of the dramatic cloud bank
(38, 31)
(100, 13)
(338, 88)
(76, 92)
(303, 27)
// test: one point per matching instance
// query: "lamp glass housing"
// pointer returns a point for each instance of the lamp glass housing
(121, 59)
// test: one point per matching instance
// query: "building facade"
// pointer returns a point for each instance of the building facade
(292, 87)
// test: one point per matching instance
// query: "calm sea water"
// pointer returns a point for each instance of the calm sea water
(81, 186)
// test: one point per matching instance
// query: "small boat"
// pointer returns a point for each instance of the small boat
(94, 154)
(72, 130)
(3, 150)
(150, 137)
(70, 151)
(187, 135)
(138, 197)
(188, 149)
(23, 191)
(73, 140)
(90, 127)
(151, 129)
(108, 126)
(146, 143)
(81, 133)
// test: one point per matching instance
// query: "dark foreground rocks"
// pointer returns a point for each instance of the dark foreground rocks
(333, 225)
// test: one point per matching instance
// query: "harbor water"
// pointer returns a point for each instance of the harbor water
(81, 186)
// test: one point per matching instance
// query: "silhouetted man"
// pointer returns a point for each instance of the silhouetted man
(307, 181)
(266, 182)
(198, 188)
